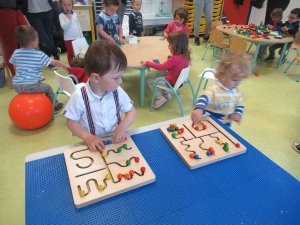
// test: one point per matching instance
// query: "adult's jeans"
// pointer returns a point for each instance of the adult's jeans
(42, 23)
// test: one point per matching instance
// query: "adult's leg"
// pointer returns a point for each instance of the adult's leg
(198, 8)
(121, 11)
(208, 7)
(9, 20)
(42, 23)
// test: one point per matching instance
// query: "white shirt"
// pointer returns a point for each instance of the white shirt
(71, 27)
(103, 110)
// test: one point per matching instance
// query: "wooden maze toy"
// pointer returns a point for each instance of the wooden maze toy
(95, 176)
(203, 143)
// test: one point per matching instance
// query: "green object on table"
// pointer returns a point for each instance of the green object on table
(164, 14)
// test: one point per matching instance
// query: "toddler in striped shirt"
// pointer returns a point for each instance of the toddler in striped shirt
(224, 99)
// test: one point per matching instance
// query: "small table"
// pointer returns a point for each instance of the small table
(230, 30)
(148, 48)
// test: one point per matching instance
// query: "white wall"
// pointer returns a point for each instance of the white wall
(258, 15)
(155, 6)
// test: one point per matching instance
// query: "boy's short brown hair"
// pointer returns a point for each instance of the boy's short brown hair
(277, 12)
(233, 65)
(296, 11)
(112, 2)
(103, 56)
(25, 35)
(182, 13)
(78, 62)
(60, 2)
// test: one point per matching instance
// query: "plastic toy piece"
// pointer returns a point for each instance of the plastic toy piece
(267, 38)
(278, 37)
(270, 68)
(161, 39)
(256, 74)
(237, 145)
(155, 61)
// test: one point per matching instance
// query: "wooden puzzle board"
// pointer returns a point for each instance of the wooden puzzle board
(199, 141)
(87, 170)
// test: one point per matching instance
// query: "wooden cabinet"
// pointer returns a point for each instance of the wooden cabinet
(85, 16)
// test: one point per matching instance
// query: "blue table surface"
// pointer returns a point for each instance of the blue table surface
(245, 189)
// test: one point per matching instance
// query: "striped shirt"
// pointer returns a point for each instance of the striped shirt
(221, 102)
(29, 65)
(37, 6)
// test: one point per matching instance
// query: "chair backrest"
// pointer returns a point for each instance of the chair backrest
(216, 38)
(65, 84)
(216, 23)
(238, 45)
(296, 42)
(182, 77)
(80, 46)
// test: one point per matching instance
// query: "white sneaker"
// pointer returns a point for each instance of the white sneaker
(42, 78)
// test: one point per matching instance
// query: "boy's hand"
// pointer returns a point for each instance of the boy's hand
(196, 115)
(66, 67)
(235, 117)
(270, 27)
(119, 134)
(284, 28)
(122, 40)
(94, 143)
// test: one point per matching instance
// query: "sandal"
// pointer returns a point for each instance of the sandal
(159, 102)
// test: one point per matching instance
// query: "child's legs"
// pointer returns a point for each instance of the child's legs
(273, 48)
(198, 8)
(38, 87)
(287, 47)
(151, 82)
(70, 51)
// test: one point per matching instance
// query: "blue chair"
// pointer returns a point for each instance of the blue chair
(182, 79)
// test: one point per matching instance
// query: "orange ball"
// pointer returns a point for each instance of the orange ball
(30, 111)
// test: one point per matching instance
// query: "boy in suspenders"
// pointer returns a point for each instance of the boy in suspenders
(93, 111)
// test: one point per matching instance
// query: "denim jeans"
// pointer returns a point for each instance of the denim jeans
(42, 23)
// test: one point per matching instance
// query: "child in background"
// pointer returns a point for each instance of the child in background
(224, 100)
(70, 24)
(290, 27)
(136, 19)
(276, 17)
(108, 23)
(94, 110)
(181, 17)
(77, 69)
(180, 59)
(28, 63)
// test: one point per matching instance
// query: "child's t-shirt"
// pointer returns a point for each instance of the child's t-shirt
(29, 65)
(173, 27)
(221, 102)
(110, 25)
(174, 65)
(103, 110)
(135, 23)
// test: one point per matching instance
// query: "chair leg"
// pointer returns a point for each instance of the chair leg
(205, 84)
(298, 80)
(249, 47)
(192, 88)
(198, 89)
(180, 104)
(253, 66)
(224, 52)
(8, 74)
(289, 66)
(153, 96)
(205, 52)
(54, 101)
(298, 54)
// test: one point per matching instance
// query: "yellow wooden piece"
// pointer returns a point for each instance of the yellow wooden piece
(107, 177)
(270, 68)
(100, 187)
(82, 193)
(103, 154)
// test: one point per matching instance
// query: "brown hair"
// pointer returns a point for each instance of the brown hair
(111, 2)
(180, 44)
(277, 12)
(296, 11)
(103, 56)
(233, 65)
(78, 62)
(25, 35)
(182, 13)
(60, 2)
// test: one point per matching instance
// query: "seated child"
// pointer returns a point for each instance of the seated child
(181, 17)
(224, 100)
(29, 62)
(180, 59)
(94, 111)
(77, 69)
(136, 19)
(290, 27)
(276, 17)
(108, 23)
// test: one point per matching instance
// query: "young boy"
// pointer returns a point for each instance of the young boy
(224, 99)
(28, 63)
(290, 27)
(77, 69)
(94, 110)
(108, 23)
(136, 19)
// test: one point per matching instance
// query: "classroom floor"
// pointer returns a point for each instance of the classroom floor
(270, 122)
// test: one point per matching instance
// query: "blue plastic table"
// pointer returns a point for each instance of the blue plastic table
(245, 189)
